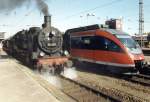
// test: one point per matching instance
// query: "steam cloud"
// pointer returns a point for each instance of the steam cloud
(42, 7)
(9, 5)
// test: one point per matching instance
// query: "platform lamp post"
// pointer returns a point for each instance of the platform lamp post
(81, 17)
(88, 15)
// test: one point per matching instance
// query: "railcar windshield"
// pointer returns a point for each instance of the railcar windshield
(127, 40)
(131, 44)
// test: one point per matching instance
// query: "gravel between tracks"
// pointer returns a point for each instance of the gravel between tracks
(82, 94)
(124, 90)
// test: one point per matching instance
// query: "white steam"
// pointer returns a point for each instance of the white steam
(43, 7)
(52, 79)
(70, 73)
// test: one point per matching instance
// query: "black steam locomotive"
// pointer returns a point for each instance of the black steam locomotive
(38, 48)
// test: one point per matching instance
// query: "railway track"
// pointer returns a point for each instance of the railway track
(146, 70)
(86, 88)
(89, 88)
(140, 79)
(120, 95)
(102, 94)
(83, 93)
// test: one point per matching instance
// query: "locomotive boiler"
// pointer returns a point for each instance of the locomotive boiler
(39, 47)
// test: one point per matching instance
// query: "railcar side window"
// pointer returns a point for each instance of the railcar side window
(112, 46)
(94, 43)
(99, 43)
(102, 43)
(76, 42)
(87, 42)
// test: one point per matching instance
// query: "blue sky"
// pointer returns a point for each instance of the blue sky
(67, 14)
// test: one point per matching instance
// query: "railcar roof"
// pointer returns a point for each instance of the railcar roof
(114, 31)
(95, 27)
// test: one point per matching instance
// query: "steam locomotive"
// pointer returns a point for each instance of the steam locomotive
(39, 48)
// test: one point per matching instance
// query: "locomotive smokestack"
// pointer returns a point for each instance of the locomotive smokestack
(47, 23)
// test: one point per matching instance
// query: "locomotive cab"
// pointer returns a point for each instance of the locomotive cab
(133, 49)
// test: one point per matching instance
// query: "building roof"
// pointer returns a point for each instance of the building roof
(2, 35)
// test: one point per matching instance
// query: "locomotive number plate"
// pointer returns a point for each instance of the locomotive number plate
(51, 44)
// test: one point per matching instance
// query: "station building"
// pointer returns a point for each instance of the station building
(114, 23)
(2, 37)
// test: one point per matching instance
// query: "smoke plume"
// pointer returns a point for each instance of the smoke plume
(43, 7)
(9, 5)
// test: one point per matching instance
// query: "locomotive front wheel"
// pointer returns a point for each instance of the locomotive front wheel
(58, 69)
(39, 68)
(52, 71)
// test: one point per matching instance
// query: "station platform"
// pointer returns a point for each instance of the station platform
(17, 86)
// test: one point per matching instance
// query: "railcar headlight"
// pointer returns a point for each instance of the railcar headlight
(140, 58)
(131, 56)
(42, 54)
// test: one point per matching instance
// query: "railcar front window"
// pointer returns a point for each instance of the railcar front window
(129, 43)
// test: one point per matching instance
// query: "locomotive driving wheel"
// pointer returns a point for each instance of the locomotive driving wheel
(56, 70)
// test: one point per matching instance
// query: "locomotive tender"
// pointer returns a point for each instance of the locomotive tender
(39, 48)
(115, 50)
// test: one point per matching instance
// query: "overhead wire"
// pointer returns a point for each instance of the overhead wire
(26, 15)
(92, 9)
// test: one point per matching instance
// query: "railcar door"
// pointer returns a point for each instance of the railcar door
(100, 51)
(75, 48)
(115, 53)
(81, 48)
(87, 48)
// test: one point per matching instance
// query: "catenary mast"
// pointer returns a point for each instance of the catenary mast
(141, 21)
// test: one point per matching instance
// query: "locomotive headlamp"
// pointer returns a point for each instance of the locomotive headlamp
(66, 53)
(42, 54)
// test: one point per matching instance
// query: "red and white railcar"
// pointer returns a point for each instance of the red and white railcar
(97, 44)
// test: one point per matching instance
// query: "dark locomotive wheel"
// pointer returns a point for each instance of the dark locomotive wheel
(52, 71)
(59, 69)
